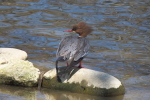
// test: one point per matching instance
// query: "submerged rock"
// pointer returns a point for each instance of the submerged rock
(84, 81)
(19, 72)
(11, 55)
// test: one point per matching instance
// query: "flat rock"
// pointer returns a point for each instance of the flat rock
(19, 72)
(11, 55)
(84, 81)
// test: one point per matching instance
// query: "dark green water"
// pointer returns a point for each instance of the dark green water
(120, 42)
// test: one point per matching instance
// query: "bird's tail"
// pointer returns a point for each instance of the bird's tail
(58, 78)
(59, 59)
(56, 67)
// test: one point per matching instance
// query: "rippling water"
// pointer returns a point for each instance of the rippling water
(119, 43)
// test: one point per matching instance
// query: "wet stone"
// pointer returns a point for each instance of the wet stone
(11, 55)
(14, 70)
(84, 81)
(19, 72)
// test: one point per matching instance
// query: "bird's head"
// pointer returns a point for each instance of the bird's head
(81, 28)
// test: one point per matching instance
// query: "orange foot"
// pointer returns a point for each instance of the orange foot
(80, 65)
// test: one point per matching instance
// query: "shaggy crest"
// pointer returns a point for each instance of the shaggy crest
(82, 29)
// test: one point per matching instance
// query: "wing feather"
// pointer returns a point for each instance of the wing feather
(83, 49)
(67, 47)
(73, 47)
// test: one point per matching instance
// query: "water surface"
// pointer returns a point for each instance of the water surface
(119, 43)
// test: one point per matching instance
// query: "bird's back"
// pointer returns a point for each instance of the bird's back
(73, 47)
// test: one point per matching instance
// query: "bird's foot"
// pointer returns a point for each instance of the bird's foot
(79, 67)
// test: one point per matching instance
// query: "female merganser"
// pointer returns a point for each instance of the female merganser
(74, 48)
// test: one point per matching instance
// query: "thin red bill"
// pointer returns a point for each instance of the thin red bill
(67, 30)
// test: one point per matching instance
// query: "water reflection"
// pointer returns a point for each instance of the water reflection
(22, 93)
(119, 44)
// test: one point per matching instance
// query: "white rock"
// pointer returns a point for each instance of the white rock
(87, 77)
(95, 79)
(85, 81)
(11, 55)
(19, 72)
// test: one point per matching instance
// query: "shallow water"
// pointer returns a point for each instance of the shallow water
(119, 43)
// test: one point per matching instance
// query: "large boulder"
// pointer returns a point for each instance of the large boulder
(11, 55)
(84, 81)
(15, 70)
(19, 72)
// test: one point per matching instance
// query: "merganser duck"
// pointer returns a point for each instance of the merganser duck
(73, 47)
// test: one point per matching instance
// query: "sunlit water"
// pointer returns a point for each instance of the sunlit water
(120, 42)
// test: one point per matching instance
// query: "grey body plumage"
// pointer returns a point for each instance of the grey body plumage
(72, 48)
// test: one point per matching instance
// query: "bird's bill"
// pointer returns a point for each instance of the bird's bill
(68, 31)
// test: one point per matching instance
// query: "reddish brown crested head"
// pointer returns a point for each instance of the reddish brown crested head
(82, 29)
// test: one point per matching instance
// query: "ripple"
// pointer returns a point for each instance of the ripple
(119, 42)
(2, 24)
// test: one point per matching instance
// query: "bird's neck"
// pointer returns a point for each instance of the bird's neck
(82, 35)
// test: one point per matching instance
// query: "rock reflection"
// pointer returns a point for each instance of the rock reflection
(20, 92)
(24, 93)
(63, 95)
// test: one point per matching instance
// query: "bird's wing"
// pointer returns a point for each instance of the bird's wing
(73, 47)
(67, 47)
(82, 49)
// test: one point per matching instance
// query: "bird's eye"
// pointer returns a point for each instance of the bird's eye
(74, 28)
